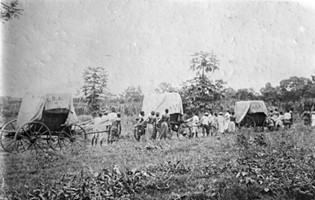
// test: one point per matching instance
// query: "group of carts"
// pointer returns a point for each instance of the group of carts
(49, 121)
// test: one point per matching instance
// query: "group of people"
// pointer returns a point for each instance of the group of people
(213, 123)
(280, 119)
(106, 122)
(154, 126)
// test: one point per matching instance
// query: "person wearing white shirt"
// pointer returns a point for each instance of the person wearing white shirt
(194, 124)
(220, 120)
(227, 118)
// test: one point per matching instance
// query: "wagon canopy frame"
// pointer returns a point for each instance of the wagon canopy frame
(33, 106)
(242, 108)
(160, 102)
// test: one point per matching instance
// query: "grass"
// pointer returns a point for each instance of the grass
(197, 168)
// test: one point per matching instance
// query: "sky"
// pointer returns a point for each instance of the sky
(144, 43)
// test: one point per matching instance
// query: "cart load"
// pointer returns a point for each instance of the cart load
(44, 121)
(160, 102)
(172, 102)
(250, 113)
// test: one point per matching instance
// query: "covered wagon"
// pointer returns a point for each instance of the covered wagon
(44, 121)
(171, 101)
(250, 114)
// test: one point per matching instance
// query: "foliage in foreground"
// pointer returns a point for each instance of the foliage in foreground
(276, 165)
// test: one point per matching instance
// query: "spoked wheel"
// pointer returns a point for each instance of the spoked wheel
(7, 136)
(73, 136)
(32, 136)
(184, 130)
(247, 123)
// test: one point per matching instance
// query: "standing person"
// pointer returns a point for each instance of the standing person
(211, 122)
(150, 126)
(227, 117)
(278, 120)
(164, 124)
(205, 124)
(313, 118)
(115, 129)
(157, 127)
(232, 123)
(287, 119)
(139, 126)
(220, 123)
(215, 122)
(194, 124)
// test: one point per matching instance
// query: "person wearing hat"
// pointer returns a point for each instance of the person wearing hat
(205, 123)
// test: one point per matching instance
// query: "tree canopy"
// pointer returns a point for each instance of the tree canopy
(95, 85)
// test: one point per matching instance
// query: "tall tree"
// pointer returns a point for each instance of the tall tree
(94, 88)
(204, 62)
(200, 91)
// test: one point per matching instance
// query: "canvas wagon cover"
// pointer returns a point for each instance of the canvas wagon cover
(33, 105)
(160, 102)
(244, 107)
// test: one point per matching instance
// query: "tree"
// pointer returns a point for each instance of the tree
(94, 88)
(133, 94)
(200, 91)
(271, 94)
(294, 88)
(10, 10)
(204, 62)
(246, 94)
(165, 87)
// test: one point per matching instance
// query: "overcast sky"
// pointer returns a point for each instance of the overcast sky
(144, 42)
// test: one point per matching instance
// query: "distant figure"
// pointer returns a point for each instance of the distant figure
(205, 124)
(194, 124)
(227, 117)
(115, 129)
(220, 123)
(157, 127)
(287, 119)
(215, 122)
(140, 126)
(279, 120)
(232, 123)
(164, 124)
(150, 126)
(211, 122)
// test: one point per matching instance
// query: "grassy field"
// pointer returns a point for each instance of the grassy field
(275, 165)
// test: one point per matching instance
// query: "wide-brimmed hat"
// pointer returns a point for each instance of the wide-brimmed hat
(206, 113)
(220, 113)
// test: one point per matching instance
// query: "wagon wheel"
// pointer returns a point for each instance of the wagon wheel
(184, 130)
(247, 123)
(7, 136)
(73, 136)
(32, 136)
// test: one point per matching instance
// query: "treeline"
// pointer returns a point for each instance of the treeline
(295, 92)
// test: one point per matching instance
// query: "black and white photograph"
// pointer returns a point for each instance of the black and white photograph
(157, 100)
